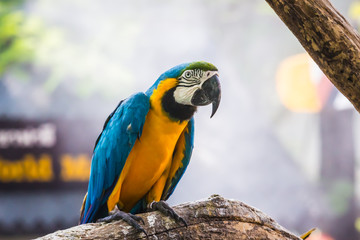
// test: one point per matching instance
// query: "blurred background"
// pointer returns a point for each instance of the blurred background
(283, 140)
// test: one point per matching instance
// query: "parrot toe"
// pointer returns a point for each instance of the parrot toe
(131, 219)
(164, 208)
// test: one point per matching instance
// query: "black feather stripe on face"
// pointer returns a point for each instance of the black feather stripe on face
(176, 111)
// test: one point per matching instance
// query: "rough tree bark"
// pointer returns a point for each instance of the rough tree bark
(214, 218)
(329, 39)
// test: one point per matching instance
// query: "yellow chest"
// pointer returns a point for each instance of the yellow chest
(150, 157)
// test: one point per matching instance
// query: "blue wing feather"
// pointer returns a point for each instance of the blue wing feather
(121, 129)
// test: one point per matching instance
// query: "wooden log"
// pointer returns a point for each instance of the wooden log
(213, 218)
(329, 39)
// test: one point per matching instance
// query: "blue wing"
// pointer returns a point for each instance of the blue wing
(121, 129)
(181, 159)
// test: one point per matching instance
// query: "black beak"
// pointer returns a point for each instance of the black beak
(209, 92)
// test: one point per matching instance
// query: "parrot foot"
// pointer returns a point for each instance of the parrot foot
(131, 219)
(164, 208)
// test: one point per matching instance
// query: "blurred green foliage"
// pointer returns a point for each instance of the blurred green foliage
(17, 35)
(33, 49)
(339, 195)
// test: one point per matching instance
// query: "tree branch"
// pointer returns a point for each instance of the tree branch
(329, 39)
(214, 218)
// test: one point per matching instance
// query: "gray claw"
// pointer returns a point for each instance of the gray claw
(164, 208)
(131, 219)
(136, 218)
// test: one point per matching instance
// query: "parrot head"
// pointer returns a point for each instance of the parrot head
(190, 85)
(198, 85)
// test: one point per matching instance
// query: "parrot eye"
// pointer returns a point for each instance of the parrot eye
(188, 74)
(194, 74)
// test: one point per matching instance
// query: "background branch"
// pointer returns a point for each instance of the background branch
(329, 39)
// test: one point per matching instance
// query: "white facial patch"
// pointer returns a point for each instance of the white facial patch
(189, 82)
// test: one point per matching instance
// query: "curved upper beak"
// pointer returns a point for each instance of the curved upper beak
(210, 92)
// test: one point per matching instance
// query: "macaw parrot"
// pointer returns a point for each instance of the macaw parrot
(146, 144)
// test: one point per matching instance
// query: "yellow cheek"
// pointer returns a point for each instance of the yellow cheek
(158, 93)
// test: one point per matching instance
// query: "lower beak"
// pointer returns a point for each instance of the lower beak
(210, 92)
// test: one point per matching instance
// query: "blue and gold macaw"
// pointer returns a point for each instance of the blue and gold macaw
(146, 145)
